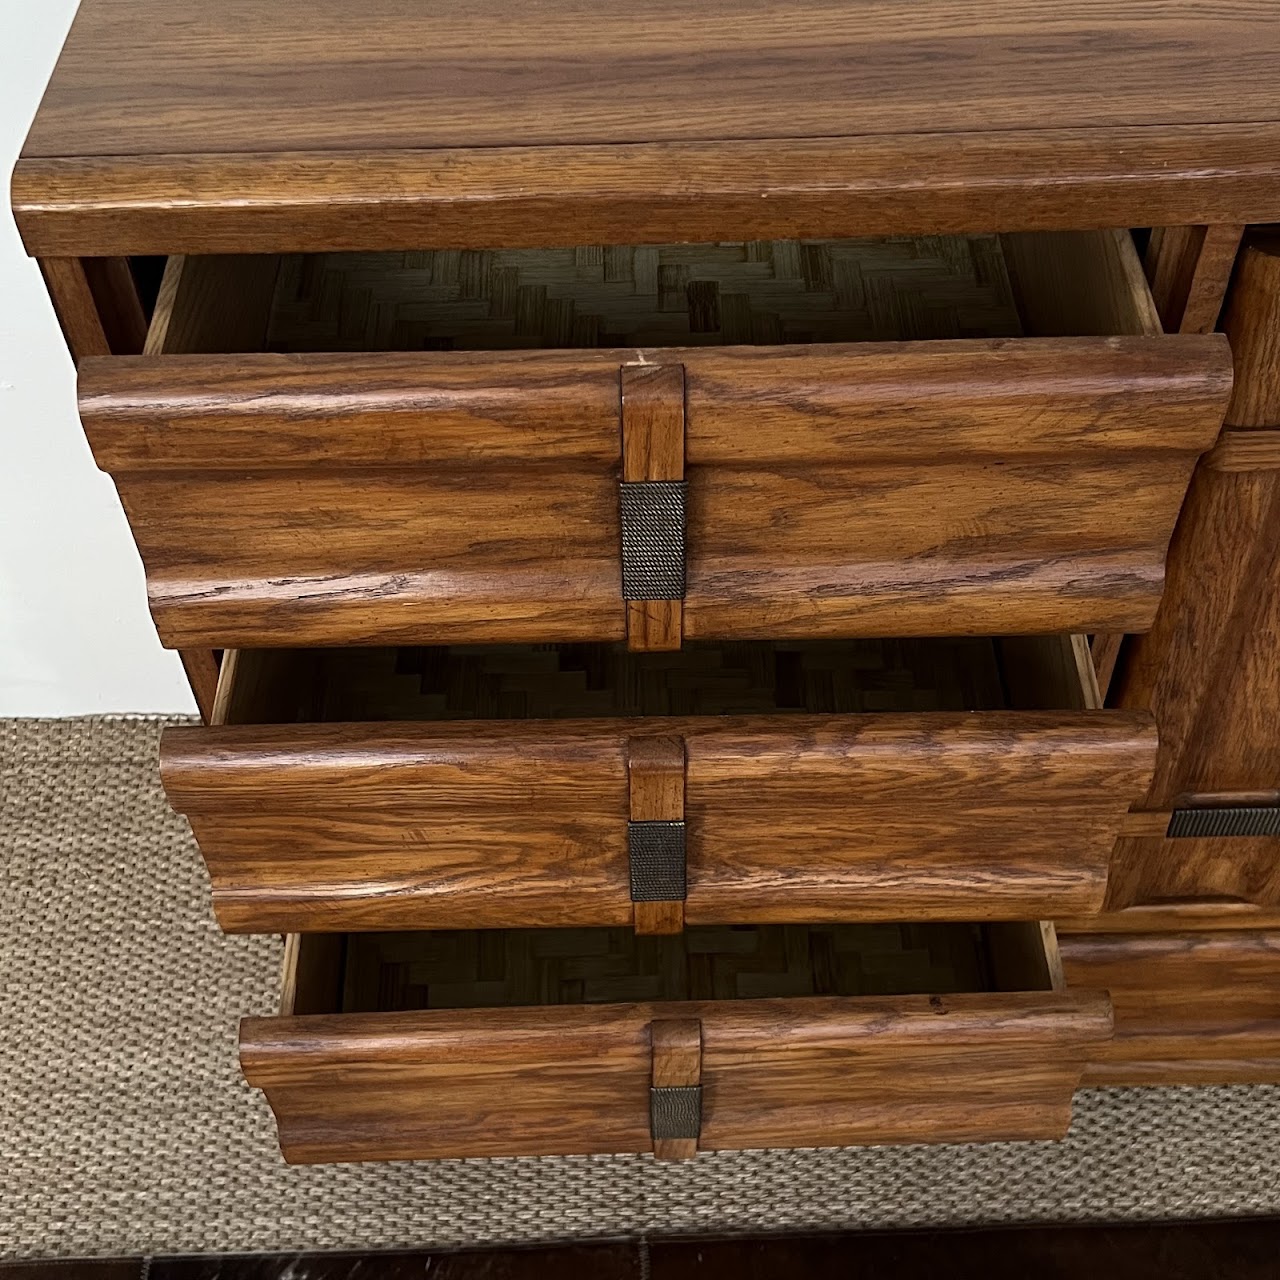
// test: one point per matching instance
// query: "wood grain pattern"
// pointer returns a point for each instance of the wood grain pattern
(1173, 917)
(213, 305)
(920, 184)
(1060, 466)
(445, 78)
(1190, 1008)
(1190, 268)
(677, 1063)
(934, 816)
(97, 305)
(1151, 870)
(116, 299)
(656, 793)
(859, 549)
(1069, 283)
(219, 123)
(1207, 668)
(653, 417)
(75, 307)
(1251, 324)
(816, 1070)
(1256, 449)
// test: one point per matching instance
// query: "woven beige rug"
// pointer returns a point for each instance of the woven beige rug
(125, 1128)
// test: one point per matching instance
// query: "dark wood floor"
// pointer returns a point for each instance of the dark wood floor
(1241, 1249)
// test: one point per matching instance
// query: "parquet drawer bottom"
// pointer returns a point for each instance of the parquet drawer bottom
(1190, 1007)
(538, 1042)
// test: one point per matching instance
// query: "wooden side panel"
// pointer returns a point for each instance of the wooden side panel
(1190, 268)
(938, 488)
(1190, 1008)
(564, 1080)
(210, 305)
(1079, 283)
(980, 816)
(1208, 666)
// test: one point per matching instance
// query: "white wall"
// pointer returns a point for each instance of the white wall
(75, 635)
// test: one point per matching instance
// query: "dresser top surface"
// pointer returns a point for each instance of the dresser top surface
(235, 90)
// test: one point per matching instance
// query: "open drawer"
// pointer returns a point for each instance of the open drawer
(542, 1042)
(958, 779)
(944, 436)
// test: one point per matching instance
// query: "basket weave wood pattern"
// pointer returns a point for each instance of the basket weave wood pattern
(775, 291)
(543, 681)
(484, 968)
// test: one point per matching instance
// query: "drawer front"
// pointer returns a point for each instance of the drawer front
(1190, 1007)
(990, 815)
(576, 1080)
(939, 488)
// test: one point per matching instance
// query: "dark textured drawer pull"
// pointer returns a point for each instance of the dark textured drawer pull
(675, 1112)
(657, 855)
(1233, 820)
(653, 520)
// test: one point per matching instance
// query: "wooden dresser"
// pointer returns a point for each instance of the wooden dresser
(698, 532)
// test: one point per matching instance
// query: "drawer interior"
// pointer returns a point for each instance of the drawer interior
(517, 682)
(775, 292)
(468, 969)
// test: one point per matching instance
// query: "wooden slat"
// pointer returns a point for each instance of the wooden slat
(656, 793)
(1254, 450)
(212, 305)
(1105, 650)
(1073, 284)
(119, 307)
(1190, 268)
(677, 1063)
(653, 449)
(76, 308)
(1251, 324)
(1190, 1008)
(201, 666)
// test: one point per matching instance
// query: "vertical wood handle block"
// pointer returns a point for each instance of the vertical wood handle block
(656, 833)
(675, 1095)
(653, 505)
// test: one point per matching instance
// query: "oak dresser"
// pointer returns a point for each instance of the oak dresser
(698, 533)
